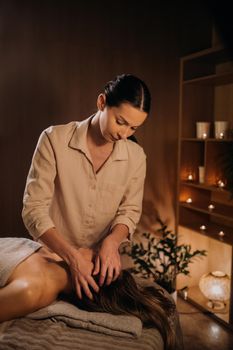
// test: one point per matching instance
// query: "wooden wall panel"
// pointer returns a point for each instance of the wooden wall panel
(55, 58)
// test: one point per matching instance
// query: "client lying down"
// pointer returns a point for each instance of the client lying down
(32, 277)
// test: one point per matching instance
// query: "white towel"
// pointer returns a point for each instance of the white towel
(13, 250)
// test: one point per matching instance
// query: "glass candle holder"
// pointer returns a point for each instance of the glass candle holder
(202, 130)
(220, 129)
(201, 172)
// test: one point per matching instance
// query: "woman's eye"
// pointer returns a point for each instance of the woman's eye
(119, 122)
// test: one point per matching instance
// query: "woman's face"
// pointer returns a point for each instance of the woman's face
(117, 123)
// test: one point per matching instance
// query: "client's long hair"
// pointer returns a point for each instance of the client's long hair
(125, 297)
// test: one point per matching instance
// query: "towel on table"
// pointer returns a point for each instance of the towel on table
(13, 250)
(118, 325)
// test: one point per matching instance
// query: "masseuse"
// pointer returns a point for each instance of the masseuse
(85, 184)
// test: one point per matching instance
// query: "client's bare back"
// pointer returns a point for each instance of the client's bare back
(35, 283)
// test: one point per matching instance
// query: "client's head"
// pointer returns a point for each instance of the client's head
(124, 297)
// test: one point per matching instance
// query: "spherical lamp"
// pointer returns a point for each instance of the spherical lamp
(216, 288)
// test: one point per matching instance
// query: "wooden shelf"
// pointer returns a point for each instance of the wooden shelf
(194, 139)
(221, 211)
(200, 68)
(206, 94)
(214, 79)
(205, 187)
(212, 230)
(216, 54)
(219, 140)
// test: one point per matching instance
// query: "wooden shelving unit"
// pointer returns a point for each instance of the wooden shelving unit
(206, 94)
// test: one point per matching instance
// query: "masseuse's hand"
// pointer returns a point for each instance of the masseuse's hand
(79, 261)
(81, 267)
(107, 261)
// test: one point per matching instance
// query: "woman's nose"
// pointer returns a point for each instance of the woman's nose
(124, 133)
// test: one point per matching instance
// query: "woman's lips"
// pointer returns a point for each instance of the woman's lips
(113, 138)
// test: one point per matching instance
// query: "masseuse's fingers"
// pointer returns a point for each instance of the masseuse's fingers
(117, 273)
(109, 275)
(78, 290)
(103, 272)
(91, 282)
(86, 288)
(97, 265)
(83, 282)
(86, 283)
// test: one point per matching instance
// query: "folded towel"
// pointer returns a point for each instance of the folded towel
(13, 250)
(118, 325)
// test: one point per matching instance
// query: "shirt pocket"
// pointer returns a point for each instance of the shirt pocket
(110, 197)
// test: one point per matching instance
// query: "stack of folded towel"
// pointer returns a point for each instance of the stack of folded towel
(118, 325)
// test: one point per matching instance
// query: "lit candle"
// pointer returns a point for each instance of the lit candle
(185, 294)
(190, 177)
(204, 135)
(189, 200)
(221, 233)
(220, 183)
(221, 135)
(203, 227)
(211, 207)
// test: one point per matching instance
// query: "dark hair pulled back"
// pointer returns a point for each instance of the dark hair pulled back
(127, 88)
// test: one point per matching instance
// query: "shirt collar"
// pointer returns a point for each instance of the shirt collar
(79, 138)
(79, 141)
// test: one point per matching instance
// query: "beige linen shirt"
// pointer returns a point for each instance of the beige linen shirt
(63, 190)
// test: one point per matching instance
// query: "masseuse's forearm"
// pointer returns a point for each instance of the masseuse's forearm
(58, 244)
(119, 233)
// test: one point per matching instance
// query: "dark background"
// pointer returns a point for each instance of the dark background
(55, 57)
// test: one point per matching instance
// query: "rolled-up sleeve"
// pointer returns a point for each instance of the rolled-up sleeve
(39, 189)
(130, 209)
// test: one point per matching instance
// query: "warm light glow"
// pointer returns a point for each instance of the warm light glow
(202, 129)
(215, 330)
(189, 200)
(185, 294)
(211, 207)
(203, 227)
(220, 183)
(221, 135)
(216, 287)
(190, 177)
(220, 129)
(221, 233)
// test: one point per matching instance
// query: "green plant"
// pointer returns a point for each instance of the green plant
(162, 259)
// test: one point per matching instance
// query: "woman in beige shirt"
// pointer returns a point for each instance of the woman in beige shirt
(85, 185)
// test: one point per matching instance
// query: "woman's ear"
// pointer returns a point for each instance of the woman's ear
(101, 102)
